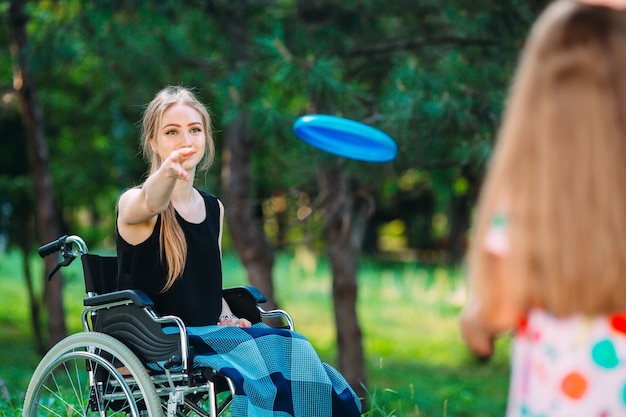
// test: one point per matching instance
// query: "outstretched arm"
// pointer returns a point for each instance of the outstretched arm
(138, 207)
(615, 4)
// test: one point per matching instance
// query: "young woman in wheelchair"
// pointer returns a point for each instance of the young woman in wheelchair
(169, 246)
(167, 219)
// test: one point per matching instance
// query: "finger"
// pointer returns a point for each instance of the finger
(183, 175)
(179, 156)
(184, 153)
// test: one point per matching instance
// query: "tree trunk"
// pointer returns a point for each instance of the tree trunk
(342, 251)
(464, 192)
(35, 305)
(246, 230)
(47, 222)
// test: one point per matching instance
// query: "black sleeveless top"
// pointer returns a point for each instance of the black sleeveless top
(196, 297)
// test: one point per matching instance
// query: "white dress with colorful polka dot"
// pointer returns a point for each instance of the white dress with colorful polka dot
(573, 366)
(564, 367)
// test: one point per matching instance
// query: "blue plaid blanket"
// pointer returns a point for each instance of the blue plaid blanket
(275, 372)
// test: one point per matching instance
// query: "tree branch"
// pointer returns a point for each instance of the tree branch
(417, 43)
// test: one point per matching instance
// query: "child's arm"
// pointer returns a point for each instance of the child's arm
(484, 319)
(477, 338)
(481, 322)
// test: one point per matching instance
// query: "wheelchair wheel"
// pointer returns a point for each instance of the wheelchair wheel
(91, 374)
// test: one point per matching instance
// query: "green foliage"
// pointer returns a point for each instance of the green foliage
(431, 74)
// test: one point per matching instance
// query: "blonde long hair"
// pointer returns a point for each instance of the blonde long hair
(560, 165)
(172, 241)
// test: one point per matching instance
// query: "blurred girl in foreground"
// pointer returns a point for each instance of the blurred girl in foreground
(548, 254)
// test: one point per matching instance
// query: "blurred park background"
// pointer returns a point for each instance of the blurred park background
(368, 257)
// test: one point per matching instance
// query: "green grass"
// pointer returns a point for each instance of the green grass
(416, 362)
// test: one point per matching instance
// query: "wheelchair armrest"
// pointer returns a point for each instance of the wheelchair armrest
(248, 291)
(279, 319)
(136, 296)
(243, 302)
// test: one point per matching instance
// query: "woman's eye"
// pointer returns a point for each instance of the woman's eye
(196, 130)
(171, 132)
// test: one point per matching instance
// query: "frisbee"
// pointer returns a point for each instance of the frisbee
(345, 137)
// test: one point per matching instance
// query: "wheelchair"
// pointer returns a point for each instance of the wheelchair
(108, 368)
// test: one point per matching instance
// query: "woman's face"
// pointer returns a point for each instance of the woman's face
(181, 127)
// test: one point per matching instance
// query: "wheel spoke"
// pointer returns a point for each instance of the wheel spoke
(77, 378)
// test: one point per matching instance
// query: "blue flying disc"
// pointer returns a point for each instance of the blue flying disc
(345, 137)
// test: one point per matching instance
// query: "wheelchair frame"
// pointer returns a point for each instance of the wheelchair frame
(105, 370)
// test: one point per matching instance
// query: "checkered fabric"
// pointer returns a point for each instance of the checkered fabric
(275, 372)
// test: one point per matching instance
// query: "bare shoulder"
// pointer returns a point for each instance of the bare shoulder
(127, 204)
(129, 195)
(134, 224)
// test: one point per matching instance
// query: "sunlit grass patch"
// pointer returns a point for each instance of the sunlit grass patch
(416, 363)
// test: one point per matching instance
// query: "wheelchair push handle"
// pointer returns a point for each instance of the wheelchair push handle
(52, 247)
(70, 247)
